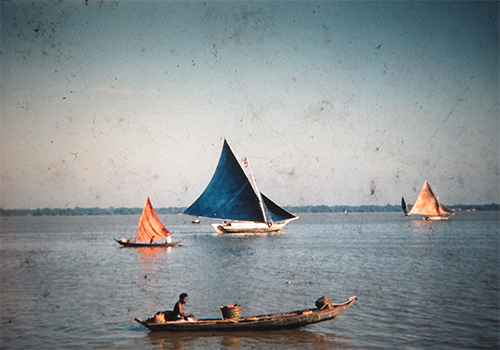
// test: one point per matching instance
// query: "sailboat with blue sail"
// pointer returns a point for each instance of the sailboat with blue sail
(234, 197)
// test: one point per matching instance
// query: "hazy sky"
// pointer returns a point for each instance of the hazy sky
(106, 102)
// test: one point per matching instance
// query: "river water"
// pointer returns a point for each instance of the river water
(65, 284)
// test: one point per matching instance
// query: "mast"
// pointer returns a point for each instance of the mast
(256, 188)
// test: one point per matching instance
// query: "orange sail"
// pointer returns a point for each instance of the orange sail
(150, 227)
(427, 203)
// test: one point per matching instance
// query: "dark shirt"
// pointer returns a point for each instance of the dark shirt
(177, 311)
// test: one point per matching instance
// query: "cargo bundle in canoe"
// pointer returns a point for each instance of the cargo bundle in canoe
(325, 311)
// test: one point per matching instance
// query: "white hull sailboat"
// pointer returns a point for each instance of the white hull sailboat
(428, 205)
(234, 198)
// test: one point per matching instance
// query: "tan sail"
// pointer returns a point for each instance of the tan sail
(427, 203)
(150, 227)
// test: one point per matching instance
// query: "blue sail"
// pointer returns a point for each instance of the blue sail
(229, 195)
(274, 211)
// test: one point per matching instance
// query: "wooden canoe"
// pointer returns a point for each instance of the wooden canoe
(286, 320)
(150, 245)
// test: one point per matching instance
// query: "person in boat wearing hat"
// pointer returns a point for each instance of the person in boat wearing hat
(179, 308)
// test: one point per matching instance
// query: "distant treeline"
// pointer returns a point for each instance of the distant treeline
(177, 210)
(380, 208)
(84, 211)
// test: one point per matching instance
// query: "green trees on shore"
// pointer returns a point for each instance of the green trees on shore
(177, 210)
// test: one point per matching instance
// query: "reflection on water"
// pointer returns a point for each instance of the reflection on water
(285, 339)
(150, 254)
(421, 226)
(65, 283)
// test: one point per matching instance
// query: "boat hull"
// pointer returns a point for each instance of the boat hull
(247, 227)
(279, 321)
(150, 245)
(437, 218)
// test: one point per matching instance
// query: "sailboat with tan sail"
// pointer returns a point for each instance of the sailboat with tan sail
(427, 204)
(149, 230)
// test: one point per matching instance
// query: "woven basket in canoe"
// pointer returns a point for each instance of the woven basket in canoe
(323, 302)
(231, 311)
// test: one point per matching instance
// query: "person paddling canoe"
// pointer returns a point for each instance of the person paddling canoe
(178, 311)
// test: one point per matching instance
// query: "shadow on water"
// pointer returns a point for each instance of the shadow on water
(285, 339)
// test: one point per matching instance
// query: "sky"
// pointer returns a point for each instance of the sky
(104, 103)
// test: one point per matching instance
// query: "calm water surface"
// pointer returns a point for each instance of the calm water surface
(65, 284)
